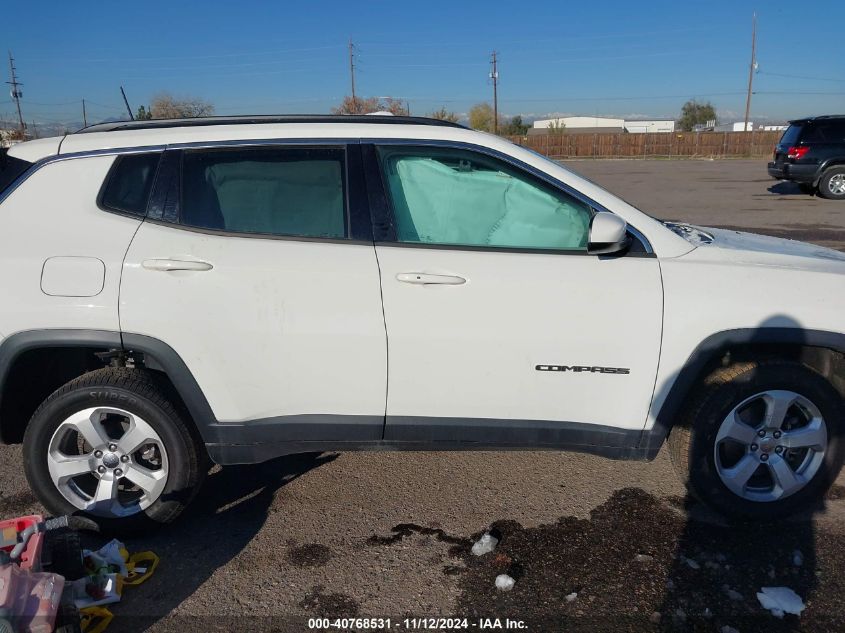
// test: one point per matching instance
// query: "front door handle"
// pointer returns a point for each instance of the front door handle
(424, 279)
(176, 264)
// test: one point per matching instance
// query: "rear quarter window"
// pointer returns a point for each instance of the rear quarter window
(825, 132)
(10, 169)
(128, 185)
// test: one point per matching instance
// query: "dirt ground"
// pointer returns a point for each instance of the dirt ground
(594, 544)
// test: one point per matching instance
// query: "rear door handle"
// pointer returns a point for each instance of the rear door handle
(176, 264)
(424, 278)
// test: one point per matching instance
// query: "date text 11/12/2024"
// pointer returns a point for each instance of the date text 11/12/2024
(416, 624)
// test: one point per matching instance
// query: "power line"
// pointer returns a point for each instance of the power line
(762, 72)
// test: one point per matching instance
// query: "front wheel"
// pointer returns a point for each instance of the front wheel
(761, 439)
(111, 447)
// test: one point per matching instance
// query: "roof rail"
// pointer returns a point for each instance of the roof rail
(273, 118)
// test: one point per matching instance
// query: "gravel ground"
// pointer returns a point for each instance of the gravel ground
(388, 534)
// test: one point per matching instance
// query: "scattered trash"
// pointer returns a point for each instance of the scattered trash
(780, 600)
(689, 562)
(570, 597)
(797, 558)
(643, 558)
(728, 629)
(95, 619)
(486, 544)
(504, 582)
(732, 594)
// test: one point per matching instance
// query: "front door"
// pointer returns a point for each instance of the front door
(501, 328)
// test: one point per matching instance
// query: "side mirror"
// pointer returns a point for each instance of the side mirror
(608, 234)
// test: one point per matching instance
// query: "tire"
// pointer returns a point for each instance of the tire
(65, 549)
(807, 187)
(98, 403)
(832, 183)
(697, 450)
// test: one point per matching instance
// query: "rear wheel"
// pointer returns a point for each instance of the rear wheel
(111, 447)
(832, 183)
(761, 440)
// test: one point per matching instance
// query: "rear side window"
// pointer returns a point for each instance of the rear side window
(129, 182)
(293, 191)
(10, 169)
(790, 137)
(825, 132)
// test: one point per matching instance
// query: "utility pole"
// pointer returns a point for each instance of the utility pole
(34, 129)
(751, 68)
(126, 101)
(16, 94)
(84, 115)
(494, 75)
(352, 71)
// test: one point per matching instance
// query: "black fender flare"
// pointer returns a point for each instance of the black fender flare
(160, 352)
(716, 345)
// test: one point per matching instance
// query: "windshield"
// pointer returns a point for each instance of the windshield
(790, 137)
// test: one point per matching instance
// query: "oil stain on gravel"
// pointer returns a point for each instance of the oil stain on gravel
(310, 555)
(329, 605)
(638, 564)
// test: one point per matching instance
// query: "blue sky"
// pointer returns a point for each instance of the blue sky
(608, 58)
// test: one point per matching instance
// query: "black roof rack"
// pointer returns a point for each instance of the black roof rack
(272, 118)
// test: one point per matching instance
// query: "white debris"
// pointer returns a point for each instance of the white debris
(692, 564)
(780, 600)
(486, 544)
(570, 597)
(643, 558)
(504, 582)
(797, 558)
(728, 629)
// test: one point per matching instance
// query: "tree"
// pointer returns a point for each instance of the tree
(481, 117)
(514, 127)
(556, 126)
(694, 113)
(366, 105)
(166, 106)
(143, 114)
(443, 115)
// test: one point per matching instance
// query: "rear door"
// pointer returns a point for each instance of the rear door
(256, 265)
(502, 329)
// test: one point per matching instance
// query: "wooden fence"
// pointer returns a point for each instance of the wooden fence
(657, 144)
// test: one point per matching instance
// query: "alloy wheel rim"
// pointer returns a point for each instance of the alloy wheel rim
(836, 185)
(108, 462)
(770, 446)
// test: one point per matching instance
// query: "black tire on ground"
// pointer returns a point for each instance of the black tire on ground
(692, 441)
(140, 393)
(65, 551)
(824, 183)
(807, 187)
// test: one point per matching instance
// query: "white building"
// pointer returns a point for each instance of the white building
(641, 127)
(738, 126)
(575, 122)
(774, 128)
(605, 124)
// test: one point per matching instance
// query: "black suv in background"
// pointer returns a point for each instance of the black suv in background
(812, 153)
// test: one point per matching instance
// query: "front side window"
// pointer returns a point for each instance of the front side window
(271, 191)
(129, 182)
(462, 198)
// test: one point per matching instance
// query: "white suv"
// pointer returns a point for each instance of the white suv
(244, 288)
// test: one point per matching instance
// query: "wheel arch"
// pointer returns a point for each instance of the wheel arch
(75, 350)
(830, 162)
(821, 350)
